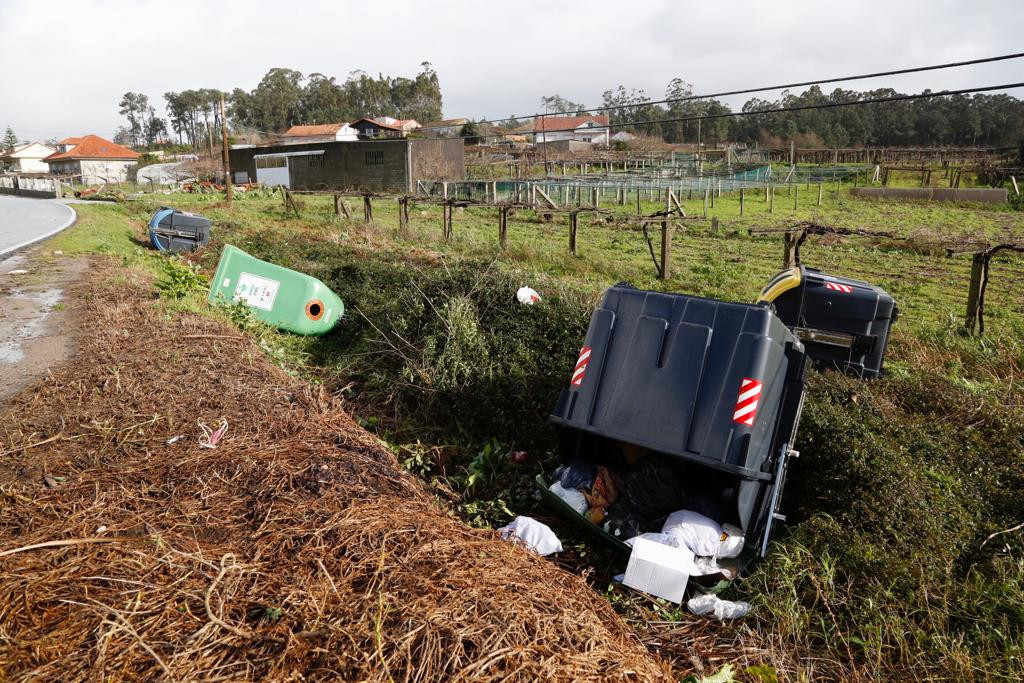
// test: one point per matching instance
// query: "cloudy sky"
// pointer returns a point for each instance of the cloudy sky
(67, 63)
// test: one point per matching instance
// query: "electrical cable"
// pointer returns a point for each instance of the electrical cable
(690, 98)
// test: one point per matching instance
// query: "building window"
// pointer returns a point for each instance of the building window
(310, 161)
(272, 162)
(374, 158)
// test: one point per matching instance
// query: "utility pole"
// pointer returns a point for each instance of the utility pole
(544, 127)
(224, 150)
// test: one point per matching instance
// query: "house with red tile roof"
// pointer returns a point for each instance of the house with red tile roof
(384, 127)
(26, 158)
(95, 159)
(593, 129)
(324, 132)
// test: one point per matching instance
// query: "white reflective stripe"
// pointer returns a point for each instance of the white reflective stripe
(744, 410)
(583, 356)
(579, 372)
(752, 391)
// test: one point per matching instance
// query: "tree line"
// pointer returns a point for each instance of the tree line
(283, 98)
(982, 120)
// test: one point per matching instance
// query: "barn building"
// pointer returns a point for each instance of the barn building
(392, 165)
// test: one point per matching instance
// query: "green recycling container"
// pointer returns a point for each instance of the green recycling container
(284, 298)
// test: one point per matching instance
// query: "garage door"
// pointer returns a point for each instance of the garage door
(272, 169)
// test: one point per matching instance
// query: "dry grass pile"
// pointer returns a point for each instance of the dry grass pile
(294, 550)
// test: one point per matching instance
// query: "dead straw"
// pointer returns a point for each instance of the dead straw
(295, 550)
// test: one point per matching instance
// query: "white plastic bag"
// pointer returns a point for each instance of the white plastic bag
(533, 534)
(700, 534)
(702, 603)
(722, 609)
(732, 541)
(527, 295)
(728, 609)
(573, 497)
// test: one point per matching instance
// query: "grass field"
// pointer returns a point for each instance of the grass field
(883, 571)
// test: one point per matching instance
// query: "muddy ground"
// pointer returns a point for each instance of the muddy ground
(40, 303)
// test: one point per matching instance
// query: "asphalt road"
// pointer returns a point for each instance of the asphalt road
(24, 221)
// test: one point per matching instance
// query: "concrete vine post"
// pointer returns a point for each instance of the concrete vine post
(403, 213)
(666, 250)
(503, 226)
(573, 227)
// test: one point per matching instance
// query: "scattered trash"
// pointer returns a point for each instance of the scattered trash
(623, 522)
(527, 296)
(577, 474)
(573, 497)
(210, 437)
(19, 271)
(175, 439)
(695, 531)
(658, 569)
(655, 537)
(653, 490)
(533, 534)
(518, 457)
(706, 566)
(58, 252)
(722, 609)
(603, 493)
(101, 528)
(50, 481)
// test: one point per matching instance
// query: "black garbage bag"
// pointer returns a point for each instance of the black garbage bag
(577, 474)
(624, 523)
(652, 490)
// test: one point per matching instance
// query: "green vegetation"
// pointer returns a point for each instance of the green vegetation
(179, 279)
(886, 569)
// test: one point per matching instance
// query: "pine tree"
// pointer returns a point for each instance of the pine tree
(10, 140)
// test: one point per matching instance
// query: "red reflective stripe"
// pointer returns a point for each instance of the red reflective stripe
(581, 367)
(746, 402)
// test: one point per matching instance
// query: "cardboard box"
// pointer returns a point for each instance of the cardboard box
(658, 569)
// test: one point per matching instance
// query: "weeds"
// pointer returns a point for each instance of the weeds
(180, 278)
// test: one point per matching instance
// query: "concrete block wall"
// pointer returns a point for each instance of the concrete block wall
(43, 188)
(939, 194)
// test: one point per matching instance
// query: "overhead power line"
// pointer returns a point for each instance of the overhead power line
(780, 110)
(746, 91)
(785, 86)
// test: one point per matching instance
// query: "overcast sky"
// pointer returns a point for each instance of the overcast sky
(66, 64)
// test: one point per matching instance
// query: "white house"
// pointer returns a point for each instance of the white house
(27, 158)
(325, 132)
(404, 125)
(446, 128)
(593, 129)
(95, 159)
